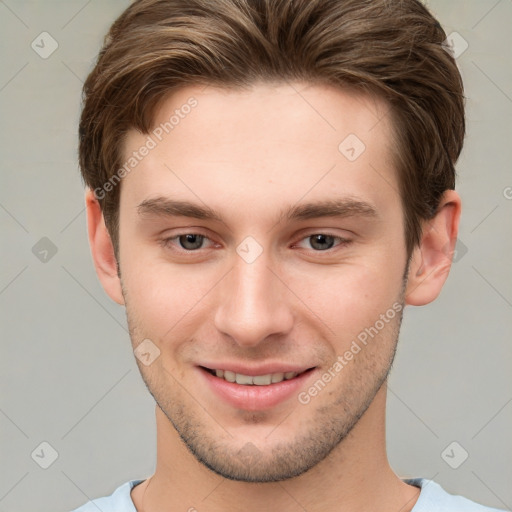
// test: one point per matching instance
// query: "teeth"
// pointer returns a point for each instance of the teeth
(262, 380)
(229, 376)
(277, 377)
(257, 380)
(243, 379)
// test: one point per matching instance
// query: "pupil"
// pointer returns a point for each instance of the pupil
(191, 241)
(318, 241)
(321, 239)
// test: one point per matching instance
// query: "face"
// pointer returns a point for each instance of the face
(262, 243)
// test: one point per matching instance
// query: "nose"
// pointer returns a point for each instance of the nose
(254, 303)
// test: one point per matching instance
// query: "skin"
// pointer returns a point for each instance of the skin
(250, 155)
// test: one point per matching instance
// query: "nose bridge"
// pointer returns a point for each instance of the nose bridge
(252, 303)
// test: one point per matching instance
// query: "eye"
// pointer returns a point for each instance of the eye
(192, 242)
(324, 241)
(187, 241)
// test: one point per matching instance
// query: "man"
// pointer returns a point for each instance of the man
(269, 184)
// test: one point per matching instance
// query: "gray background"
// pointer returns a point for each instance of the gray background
(68, 375)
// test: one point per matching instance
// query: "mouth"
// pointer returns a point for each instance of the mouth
(254, 387)
(254, 380)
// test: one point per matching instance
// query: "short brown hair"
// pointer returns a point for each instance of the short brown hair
(394, 48)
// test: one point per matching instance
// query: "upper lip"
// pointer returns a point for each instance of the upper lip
(253, 370)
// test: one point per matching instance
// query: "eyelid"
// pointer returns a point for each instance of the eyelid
(168, 241)
(342, 240)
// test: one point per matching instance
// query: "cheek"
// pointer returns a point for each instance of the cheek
(348, 298)
(170, 302)
(164, 298)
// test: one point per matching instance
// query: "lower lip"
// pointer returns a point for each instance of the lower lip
(253, 397)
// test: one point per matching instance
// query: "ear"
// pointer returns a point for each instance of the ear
(102, 249)
(432, 259)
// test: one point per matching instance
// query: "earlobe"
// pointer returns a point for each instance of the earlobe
(431, 260)
(102, 249)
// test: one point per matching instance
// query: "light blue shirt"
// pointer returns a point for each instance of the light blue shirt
(433, 498)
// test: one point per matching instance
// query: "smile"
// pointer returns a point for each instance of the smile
(253, 380)
(259, 391)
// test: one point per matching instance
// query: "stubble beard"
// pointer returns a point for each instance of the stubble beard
(321, 432)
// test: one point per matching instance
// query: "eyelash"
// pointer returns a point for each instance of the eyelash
(167, 242)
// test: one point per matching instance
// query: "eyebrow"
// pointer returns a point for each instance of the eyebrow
(342, 207)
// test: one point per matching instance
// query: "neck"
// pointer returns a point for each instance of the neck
(356, 476)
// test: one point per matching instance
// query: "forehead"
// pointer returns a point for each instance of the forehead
(283, 111)
(292, 139)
